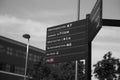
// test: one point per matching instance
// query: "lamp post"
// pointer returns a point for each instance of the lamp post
(26, 36)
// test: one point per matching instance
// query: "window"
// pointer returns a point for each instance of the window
(9, 51)
(8, 67)
(12, 68)
(30, 56)
(2, 66)
(33, 57)
(2, 49)
(20, 53)
(19, 70)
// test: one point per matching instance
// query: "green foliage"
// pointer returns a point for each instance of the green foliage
(40, 71)
(118, 71)
(81, 71)
(106, 68)
(58, 71)
(68, 69)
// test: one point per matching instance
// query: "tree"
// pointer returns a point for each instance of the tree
(118, 70)
(68, 71)
(40, 71)
(106, 69)
(81, 70)
(57, 71)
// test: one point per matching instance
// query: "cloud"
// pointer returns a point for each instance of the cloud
(6, 20)
(14, 27)
(108, 35)
(108, 39)
(12, 23)
(53, 17)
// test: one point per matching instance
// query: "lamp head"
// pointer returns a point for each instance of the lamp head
(27, 36)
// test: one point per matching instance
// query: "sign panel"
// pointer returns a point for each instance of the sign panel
(67, 40)
(64, 58)
(95, 20)
(66, 51)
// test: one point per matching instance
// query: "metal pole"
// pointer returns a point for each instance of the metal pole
(76, 70)
(88, 61)
(76, 63)
(78, 17)
(89, 55)
(26, 59)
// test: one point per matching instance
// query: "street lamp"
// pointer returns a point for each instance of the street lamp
(26, 36)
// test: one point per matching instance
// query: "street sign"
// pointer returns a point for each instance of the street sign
(65, 58)
(67, 42)
(66, 51)
(95, 20)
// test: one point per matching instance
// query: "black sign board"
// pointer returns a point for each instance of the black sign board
(95, 20)
(65, 42)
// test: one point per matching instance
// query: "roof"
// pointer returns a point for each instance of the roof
(20, 44)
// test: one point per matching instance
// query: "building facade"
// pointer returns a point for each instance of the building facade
(12, 58)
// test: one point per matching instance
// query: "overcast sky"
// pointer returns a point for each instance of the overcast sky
(18, 17)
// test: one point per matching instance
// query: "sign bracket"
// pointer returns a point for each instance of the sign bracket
(111, 22)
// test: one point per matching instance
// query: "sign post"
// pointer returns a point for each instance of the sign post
(95, 20)
(94, 25)
(76, 63)
(67, 42)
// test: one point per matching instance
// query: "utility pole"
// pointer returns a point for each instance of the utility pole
(76, 63)
(26, 36)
